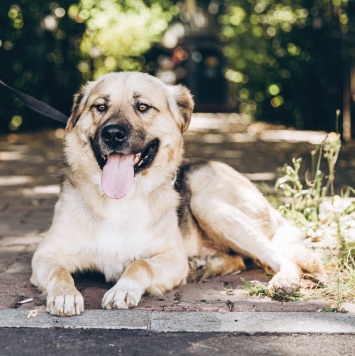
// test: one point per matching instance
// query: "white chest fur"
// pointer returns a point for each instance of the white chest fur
(108, 235)
(126, 234)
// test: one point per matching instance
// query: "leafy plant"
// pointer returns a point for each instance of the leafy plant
(313, 205)
(273, 49)
(300, 201)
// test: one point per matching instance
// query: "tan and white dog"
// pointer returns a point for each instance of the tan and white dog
(131, 208)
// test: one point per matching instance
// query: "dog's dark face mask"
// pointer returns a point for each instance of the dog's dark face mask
(122, 152)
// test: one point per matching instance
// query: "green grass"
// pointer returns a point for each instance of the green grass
(311, 203)
(340, 286)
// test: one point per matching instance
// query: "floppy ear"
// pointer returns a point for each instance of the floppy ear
(78, 106)
(185, 105)
(76, 111)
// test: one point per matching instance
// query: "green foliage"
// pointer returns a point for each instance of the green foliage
(48, 49)
(118, 33)
(278, 53)
(301, 204)
(302, 199)
(285, 59)
(340, 287)
(38, 55)
(318, 211)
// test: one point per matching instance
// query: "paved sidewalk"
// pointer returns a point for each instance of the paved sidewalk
(29, 186)
(158, 321)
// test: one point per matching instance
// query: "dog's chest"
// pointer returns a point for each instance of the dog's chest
(123, 236)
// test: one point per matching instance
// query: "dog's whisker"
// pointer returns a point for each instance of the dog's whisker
(86, 151)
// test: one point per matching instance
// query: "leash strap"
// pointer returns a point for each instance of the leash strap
(37, 105)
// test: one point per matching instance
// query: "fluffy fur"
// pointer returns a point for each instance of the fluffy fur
(144, 240)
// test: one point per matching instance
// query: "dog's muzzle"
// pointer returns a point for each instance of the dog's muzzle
(121, 155)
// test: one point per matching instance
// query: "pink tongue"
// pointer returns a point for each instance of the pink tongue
(117, 175)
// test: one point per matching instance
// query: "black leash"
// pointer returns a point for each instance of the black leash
(37, 105)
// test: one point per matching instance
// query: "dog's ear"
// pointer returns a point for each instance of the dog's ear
(185, 105)
(76, 111)
(78, 106)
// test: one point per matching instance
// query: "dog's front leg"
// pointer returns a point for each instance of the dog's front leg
(63, 299)
(154, 275)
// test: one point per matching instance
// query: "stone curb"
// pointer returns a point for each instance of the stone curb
(155, 321)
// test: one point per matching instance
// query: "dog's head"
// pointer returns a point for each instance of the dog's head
(127, 125)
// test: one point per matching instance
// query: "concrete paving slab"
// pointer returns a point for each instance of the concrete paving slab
(93, 319)
(156, 321)
(253, 323)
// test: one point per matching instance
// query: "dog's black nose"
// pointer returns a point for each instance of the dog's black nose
(114, 135)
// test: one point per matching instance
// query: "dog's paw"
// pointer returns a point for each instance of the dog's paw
(285, 282)
(125, 294)
(65, 300)
(321, 278)
(197, 268)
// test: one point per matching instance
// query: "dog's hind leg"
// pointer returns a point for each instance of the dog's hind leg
(229, 227)
(235, 215)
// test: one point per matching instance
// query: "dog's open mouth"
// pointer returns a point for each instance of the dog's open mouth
(119, 169)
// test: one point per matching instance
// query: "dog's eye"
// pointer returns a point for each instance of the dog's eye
(101, 107)
(143, 107)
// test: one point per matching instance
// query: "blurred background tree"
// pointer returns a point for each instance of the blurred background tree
(285, 61)
(287, 58)
(38, 55)
(48, 49)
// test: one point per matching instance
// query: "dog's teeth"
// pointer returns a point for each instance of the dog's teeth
(137, 157)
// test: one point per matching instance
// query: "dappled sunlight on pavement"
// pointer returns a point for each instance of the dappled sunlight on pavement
(258, 149)
(312, 137)
(15, 180)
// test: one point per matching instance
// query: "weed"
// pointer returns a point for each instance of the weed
(300, 202)
(259, 289)
(313, 206)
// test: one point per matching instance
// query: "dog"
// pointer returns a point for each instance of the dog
(131, 208)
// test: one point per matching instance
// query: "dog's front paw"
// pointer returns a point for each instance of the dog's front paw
(285, 282)
(125, 294)
(65, 300)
